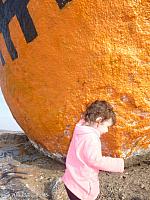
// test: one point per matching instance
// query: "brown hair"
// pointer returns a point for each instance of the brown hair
(99, 109)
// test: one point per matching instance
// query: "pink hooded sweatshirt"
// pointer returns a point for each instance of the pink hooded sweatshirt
(83, 162)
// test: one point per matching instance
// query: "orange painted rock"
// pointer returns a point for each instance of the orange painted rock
(57, 56)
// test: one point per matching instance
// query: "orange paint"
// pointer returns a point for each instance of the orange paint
(86, 51)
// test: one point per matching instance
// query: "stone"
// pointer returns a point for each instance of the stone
(58, 56)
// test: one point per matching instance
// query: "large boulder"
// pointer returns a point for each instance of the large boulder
(57, 56)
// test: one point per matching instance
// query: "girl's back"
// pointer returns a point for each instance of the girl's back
(84, 158)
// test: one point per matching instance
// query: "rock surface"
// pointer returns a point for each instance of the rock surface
(26, 174)
(63, 55)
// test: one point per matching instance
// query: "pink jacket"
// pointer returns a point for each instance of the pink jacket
(84, 160)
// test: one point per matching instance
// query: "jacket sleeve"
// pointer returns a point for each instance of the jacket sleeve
(93, 157)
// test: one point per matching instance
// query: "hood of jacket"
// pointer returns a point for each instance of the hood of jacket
(84, 129)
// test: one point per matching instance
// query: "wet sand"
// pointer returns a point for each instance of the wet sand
(25, 173)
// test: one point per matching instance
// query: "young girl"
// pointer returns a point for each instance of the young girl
(84, 158)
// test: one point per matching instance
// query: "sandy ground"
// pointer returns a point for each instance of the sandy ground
(27, 174)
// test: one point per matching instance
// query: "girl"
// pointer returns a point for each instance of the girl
(84, 158)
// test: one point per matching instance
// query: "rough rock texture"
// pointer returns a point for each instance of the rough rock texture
(26, 174)
(63, 59)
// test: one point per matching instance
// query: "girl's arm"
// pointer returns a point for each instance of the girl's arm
(93, 157)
